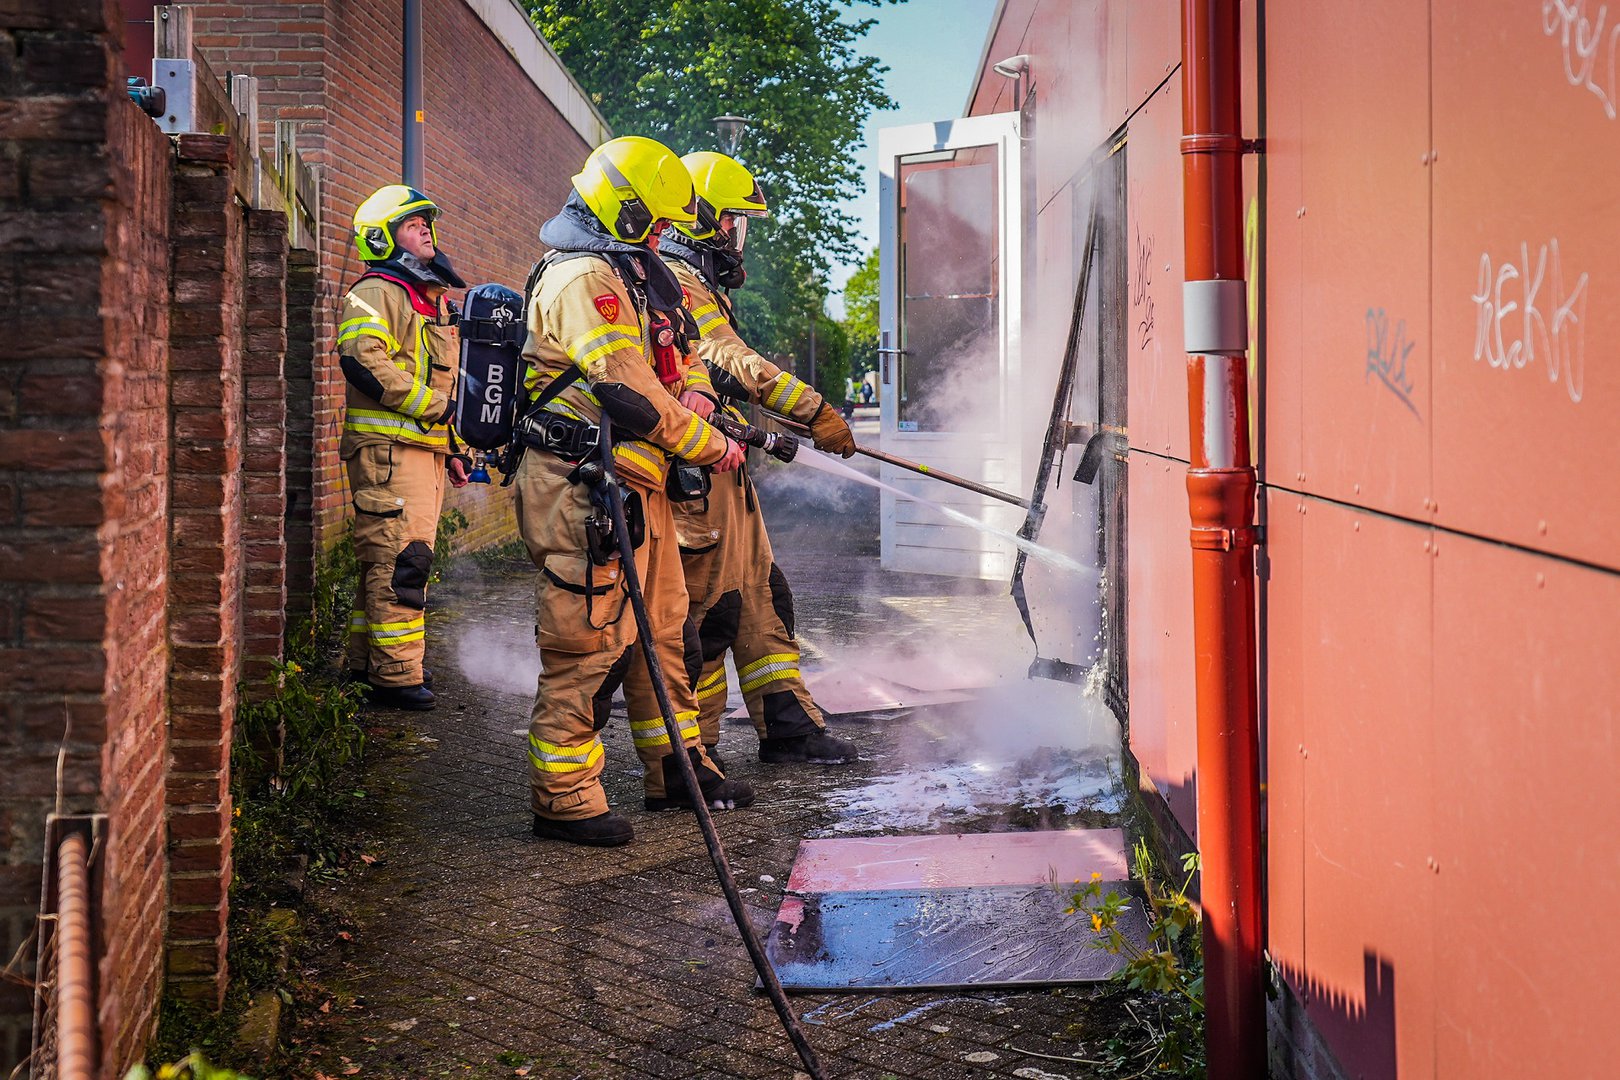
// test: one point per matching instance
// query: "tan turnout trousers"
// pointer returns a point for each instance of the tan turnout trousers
(740, 602)
(398, 491)
(587, 638)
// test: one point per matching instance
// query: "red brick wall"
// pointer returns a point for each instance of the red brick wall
(84, 217)
(498, 159)
(265, 463)
(206, 588)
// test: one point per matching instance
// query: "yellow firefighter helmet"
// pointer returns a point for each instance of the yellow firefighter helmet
(380, 215)
(631, 182)
(723, 186)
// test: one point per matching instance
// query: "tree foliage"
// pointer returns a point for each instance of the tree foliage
(665, 69)
(861, 315)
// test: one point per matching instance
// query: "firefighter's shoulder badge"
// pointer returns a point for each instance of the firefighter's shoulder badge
(686, 298)
(608, 306)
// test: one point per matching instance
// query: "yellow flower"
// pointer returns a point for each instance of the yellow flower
(1096, 875)
(1096, 921)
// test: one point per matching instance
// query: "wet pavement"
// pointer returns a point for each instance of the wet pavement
(475, 950)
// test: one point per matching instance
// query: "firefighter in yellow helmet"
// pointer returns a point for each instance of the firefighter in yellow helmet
(607, 335)
(740, 598)
(398, 352)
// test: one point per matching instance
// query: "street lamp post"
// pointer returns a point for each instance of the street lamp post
(730, 130)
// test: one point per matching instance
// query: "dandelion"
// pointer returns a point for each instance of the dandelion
(1096, 875)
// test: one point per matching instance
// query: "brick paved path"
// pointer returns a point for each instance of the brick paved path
(478, 951)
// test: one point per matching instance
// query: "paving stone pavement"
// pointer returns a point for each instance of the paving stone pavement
(478, 951)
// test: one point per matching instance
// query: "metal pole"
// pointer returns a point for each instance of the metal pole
(1221, 495)
(411, 117)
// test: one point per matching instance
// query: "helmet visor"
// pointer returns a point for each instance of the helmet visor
(735, 226)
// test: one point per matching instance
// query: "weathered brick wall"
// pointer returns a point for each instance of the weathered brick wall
(265, 463)
(207, 563)
(498, 160)
(84, 217)
(303, 294)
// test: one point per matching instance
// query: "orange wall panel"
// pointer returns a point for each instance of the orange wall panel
(1527, 273)
(1163, 735)
(1157, 395)
(1526, 693)
(1368, 762)
(1152, 51)
(1282, 313)
(1284, 718)
(1364, 347)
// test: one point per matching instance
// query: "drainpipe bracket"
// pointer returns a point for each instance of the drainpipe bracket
(1215, 538)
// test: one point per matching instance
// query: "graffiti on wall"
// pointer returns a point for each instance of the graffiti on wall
(1141, 290)
(1387, 352)
(1523, 313)
(1588, 41)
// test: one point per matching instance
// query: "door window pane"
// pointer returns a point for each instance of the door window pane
(950, 372)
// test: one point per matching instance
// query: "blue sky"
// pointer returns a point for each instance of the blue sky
(932, 50)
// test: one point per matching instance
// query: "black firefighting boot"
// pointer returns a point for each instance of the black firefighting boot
(353, 675)
(817, 748)
(718, 792)
(604, 830)
(411, 698)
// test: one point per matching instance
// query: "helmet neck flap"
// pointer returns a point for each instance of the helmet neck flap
(577, 228)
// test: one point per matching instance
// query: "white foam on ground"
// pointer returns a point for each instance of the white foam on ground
(932, 798)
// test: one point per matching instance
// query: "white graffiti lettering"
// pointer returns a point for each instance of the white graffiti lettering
(1589, 51)
(1536, 330)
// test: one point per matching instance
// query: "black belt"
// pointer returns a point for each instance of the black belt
(561, 435)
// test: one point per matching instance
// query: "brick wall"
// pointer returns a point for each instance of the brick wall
(303, 294)
(83, 489)
(498, 158)
(264, 465)
(206, 533)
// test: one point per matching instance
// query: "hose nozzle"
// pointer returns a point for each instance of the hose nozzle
(781, 447)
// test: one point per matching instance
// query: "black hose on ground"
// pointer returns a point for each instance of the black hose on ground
(711, 838)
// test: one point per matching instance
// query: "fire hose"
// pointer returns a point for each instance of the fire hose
(892, 459)
(608, 483)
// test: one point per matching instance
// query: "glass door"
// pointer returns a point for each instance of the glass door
(951, 229)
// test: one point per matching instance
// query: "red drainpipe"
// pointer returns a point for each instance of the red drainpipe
(1221, 494)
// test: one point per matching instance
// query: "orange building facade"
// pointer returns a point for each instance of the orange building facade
(1432, 284)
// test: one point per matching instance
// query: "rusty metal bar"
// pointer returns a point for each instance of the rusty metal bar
(1221, 495)
(75, 1010)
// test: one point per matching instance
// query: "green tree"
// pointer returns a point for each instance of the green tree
(861, 316)
(665, 69)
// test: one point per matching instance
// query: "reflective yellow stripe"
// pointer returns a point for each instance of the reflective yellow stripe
(551, 757)
(652, 733)
(562, 408)
(787, 394)
(695, 439)
(367, 327)
(644, 456)
(395, 633)
(417, 401)
(698, 377)
(607, 338)
(768, 669)
(710, 685)
(357, 622)
(378, 422)
(707, 316)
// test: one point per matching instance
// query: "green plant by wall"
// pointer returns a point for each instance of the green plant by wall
(191, 1067)
(451, 524)
(296, 759)
(1169, 969)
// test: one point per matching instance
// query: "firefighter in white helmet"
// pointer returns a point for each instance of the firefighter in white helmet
(740, 599)
(398, 351)
(606, 336)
